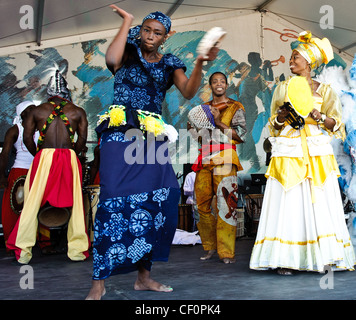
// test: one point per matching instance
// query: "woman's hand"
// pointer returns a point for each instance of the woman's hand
(122, 13)
(211, 56)
(315, 115)
(114, 54)
(319, 117)
(189, 87)
(282, 114)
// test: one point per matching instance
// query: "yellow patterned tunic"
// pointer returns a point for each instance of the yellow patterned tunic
(217, 176)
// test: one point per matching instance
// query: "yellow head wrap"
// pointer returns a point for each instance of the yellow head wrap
(314, 50)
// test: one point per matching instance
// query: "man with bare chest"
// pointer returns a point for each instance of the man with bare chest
(58, 133)
(55, 176)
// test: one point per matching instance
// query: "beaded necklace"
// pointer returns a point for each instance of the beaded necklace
(58, 111)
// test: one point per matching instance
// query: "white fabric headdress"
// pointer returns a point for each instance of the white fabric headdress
(19, 108)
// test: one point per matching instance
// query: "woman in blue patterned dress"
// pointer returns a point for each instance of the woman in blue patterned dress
(137, 212)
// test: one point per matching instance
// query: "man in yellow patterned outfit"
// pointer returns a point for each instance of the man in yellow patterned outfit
(216, 169)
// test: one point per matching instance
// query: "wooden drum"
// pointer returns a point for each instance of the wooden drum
(17, 194)
(53, 217)
(91, 199)
(185, 217)
(253, 207)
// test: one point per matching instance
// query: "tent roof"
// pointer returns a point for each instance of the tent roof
(65, 18)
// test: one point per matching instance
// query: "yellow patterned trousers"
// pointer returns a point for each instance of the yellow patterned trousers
(217, 232)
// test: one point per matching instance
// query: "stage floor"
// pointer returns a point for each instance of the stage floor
(55, 277)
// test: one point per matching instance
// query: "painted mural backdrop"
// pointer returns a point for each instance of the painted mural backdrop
(251, 81)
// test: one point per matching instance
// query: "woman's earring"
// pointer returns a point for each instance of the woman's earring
(162, 46)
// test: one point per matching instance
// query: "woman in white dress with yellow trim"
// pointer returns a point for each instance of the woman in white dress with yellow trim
(302, 224)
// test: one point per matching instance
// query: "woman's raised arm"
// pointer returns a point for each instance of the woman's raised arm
(116, 49)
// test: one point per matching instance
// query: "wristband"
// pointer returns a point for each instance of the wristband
(279, 123)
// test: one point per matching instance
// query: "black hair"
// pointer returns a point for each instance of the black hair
(217, 72)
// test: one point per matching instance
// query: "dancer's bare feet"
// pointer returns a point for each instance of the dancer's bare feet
(144, 282)
(97, 290)
(228, 260)
(208, 255)
(151, 285)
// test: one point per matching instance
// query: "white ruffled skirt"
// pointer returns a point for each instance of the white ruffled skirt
(297, 234)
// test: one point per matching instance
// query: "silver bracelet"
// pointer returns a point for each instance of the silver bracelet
(278, 123)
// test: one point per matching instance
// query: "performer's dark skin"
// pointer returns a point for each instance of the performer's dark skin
(218, 87)
(10, 139)
(299, 66)
(57, 135)
(153, 34)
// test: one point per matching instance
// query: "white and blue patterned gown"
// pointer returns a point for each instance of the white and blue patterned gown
(138, 206)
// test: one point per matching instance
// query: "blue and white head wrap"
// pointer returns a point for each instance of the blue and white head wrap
(160, 17)
(133, 36)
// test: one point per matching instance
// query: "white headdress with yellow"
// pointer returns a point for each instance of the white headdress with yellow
(315, 51)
